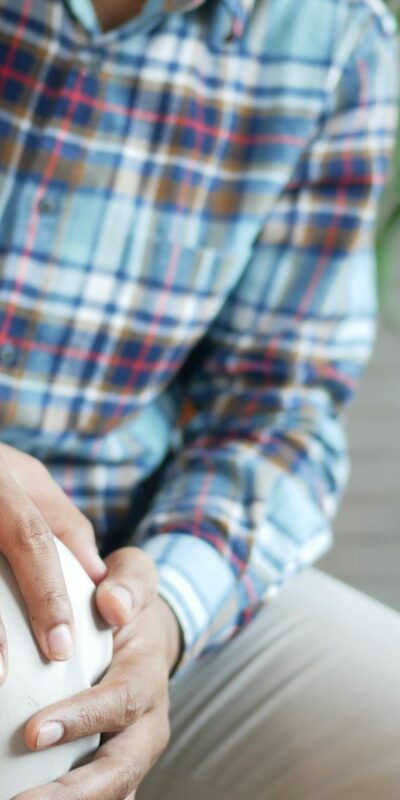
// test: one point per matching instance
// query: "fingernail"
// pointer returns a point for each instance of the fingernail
(60, 642)
(124, 597)
(49, 733)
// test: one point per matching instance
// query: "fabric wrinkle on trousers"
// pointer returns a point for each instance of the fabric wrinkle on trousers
(303, 705)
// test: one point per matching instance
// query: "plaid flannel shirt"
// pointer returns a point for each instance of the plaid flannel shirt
(187, 277)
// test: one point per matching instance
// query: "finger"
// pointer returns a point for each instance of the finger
(105, 779)
(117, 769)
(109, 707)
(77, 533)
(72, 527)
(130, 585)
(62, 516)
(28, 545)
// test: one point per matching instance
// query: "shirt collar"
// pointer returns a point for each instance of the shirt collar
(233, 14)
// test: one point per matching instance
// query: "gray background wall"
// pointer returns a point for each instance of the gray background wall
(367, 530)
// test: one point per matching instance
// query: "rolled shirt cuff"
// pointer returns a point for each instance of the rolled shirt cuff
(197, 583)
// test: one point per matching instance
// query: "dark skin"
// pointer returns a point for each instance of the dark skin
(112, 14)
(130, 705)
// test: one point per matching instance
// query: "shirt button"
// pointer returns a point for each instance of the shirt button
(47, 206)
(8, 354)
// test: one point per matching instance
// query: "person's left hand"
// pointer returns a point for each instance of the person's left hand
(130, 704)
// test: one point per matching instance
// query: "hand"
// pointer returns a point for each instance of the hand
(130, 704)
(32, 509)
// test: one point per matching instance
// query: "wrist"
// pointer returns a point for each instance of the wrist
(174, 637)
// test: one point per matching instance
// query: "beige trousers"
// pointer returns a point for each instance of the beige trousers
(304, 705)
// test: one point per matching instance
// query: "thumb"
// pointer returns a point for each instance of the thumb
(130, 585)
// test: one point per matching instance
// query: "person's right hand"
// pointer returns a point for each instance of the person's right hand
(33, 508)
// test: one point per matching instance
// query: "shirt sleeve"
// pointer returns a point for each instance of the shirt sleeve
(248, 498)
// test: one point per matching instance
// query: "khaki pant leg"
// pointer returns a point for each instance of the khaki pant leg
(303, 705)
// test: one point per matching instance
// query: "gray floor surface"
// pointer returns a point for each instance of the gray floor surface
(367, 530)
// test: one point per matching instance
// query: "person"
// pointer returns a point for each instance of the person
(188, 199)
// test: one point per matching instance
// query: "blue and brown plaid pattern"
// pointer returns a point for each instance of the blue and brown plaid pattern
(187, 294)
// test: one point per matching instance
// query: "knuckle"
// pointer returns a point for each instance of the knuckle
(55, 602)
(31, 533)
(129, 705)
(91, 717)
(84, 720)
